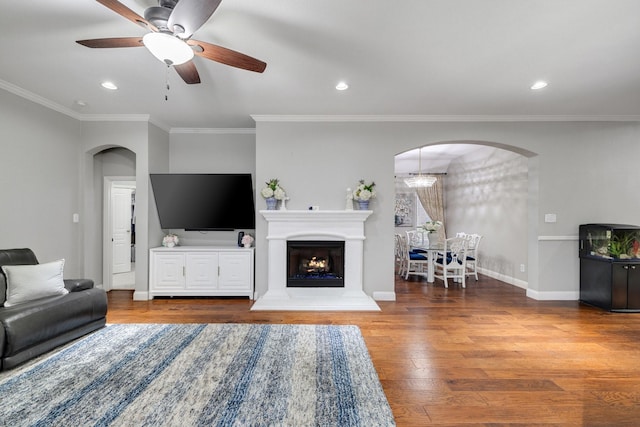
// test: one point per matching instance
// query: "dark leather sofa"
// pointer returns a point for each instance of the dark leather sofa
(34, 327)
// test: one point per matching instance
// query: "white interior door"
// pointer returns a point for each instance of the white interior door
(121, 237)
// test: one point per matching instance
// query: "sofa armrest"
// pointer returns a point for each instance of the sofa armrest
(76, 285)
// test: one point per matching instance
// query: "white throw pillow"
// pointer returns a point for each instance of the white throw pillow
(29, 282)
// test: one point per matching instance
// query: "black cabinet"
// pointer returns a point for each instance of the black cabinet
(610, 266)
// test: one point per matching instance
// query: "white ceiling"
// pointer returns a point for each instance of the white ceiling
(406, 57)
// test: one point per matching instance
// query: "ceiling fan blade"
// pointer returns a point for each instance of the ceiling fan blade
(227, 56)
(188, 72)
(125, 12)
(190, 15)
(112, 42)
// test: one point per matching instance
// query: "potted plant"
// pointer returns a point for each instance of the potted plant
(364, 193)
(272, 193)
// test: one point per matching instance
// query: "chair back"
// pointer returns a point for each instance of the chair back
(414, 238)
(456, 250)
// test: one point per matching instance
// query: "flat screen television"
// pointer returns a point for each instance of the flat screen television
(204, 201)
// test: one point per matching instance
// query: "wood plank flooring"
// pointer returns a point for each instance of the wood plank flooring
(481, 356)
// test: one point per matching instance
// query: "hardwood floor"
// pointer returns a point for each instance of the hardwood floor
(481, 356)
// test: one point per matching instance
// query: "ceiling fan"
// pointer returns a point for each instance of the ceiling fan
(171, 25)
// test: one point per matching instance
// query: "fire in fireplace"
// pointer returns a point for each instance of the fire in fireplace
(315, 263)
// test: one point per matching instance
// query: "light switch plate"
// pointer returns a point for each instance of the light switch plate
(549, 217)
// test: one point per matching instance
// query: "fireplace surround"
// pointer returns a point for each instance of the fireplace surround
(315, 225)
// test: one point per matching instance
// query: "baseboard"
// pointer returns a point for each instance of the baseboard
(140, 296)
(553, 295)
(384, 296)
(503, 278)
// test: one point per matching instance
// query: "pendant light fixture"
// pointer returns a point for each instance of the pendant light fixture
(420, 180)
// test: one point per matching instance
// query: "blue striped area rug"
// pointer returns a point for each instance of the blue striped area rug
(201, 375)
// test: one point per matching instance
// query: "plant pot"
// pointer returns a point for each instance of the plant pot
(271, 203)
(363, 205)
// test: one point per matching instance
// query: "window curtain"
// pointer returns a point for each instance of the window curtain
(432, 199)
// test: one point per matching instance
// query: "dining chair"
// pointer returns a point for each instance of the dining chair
(472, 255)
(415, 238)
(451, 263)
(398, 253)
(414, 262)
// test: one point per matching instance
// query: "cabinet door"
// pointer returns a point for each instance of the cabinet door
(202, 271)
(619, 286)
(169, 271)
(235, 270)
(633, 287)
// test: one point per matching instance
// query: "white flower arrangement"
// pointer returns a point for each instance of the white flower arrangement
(273, 189)
(364, 191)
(432, 226)
(170, 240)
(247, 240)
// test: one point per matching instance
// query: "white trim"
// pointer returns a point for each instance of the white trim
(107, 251)
(220, 131)
(553, 295)
(384, 296)
(140, 296)
(444, 118)
(557, 238)
(16, 90)
(503, 278)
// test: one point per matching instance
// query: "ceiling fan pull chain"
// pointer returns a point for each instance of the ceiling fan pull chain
(166, 96)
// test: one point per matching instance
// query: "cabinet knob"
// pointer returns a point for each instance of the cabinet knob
(633, 267)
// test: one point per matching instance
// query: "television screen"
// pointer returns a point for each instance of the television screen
(204, 201)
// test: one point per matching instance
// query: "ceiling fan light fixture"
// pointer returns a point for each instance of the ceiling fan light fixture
(168, 48)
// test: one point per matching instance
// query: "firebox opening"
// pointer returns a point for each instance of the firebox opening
(315, 263)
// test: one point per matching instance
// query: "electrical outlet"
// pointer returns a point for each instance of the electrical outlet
(522, 268)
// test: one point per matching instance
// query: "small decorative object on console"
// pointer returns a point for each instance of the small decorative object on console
(247, 240)
(170, 240)
(349, 200)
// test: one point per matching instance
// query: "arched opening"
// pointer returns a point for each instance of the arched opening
(488, 190)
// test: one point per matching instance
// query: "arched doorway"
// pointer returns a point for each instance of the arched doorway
(114, 185)
(487, 191)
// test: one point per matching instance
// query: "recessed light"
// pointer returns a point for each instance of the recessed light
(342, 86)
(539, 85)
(109, 85)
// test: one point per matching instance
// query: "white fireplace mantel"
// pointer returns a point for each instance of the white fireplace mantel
(347, 226)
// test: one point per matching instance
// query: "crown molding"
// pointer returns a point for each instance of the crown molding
(445, 118)
(30, 96)
(221, 131)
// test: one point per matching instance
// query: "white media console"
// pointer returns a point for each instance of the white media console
(201, 271)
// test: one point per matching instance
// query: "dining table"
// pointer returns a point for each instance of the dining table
(431, 249)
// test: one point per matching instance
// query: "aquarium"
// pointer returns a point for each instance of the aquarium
(610, 241)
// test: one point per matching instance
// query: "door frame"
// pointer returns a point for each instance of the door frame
(107, 227)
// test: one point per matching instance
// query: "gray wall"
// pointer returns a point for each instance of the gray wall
(39, 184)
(581, 171)
(486, 192)
(231, 151)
